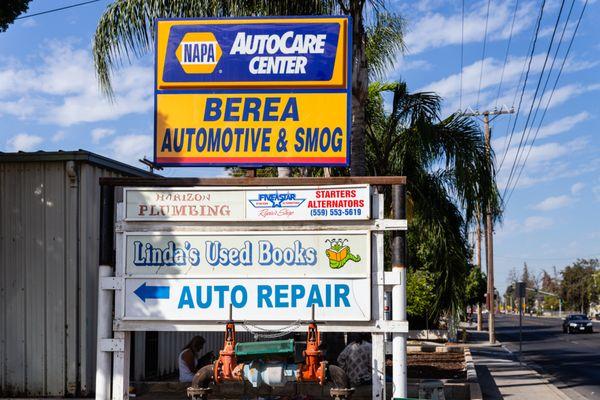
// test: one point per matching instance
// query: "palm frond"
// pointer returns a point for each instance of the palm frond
(385, 41)
(126, 28)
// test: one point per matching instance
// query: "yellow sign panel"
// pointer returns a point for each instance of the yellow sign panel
(252, 128)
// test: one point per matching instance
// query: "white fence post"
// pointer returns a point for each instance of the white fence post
(103, 358)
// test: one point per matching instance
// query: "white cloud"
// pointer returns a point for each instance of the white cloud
(62, 89)
(512, 227)
(130, 148)
(29, 23)
(24, 142)
(577, 187)
(551, 129)
(434, 30)
(536, 223)
(58, 136)
(100, 133)
(542, 153)
(553, 203)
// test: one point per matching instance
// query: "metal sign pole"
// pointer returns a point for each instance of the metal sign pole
(399, 371)
(105, 297)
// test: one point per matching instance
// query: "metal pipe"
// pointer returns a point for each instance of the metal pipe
(203, 377)
(107, 225)
(104, 358)
(399, 362)
(105, 297)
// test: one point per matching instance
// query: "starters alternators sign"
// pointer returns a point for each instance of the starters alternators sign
(253, 92)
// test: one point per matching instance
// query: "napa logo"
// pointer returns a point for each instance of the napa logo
(198, 52)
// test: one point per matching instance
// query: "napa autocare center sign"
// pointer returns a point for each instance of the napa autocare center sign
(252, 92)
(265, 276)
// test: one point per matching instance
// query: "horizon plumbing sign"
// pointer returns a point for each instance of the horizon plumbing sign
(342, 202)
(253, 92)
(263, 275)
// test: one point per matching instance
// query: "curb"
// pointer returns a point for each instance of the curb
(474, 388)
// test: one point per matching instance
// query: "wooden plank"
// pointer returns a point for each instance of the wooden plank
(184, 182)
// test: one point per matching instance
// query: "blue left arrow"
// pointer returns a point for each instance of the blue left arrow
(152, 292)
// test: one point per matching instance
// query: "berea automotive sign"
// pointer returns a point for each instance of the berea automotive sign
(253, 92)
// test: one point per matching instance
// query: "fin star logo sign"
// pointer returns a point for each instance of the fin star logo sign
(198, 52)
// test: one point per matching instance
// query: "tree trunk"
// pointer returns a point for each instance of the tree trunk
(360, 90)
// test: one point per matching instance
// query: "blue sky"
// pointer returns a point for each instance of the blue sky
(49, 100)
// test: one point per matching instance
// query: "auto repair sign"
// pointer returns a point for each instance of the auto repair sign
(270, 275)
(253, 92)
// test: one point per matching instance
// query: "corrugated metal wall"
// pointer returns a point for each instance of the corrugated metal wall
(48, 277)
(49, 232)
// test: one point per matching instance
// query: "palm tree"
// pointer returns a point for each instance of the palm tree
(449, 177)
(127, 27)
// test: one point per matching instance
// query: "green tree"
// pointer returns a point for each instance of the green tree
(448, 175)
(476, 286)
(579, 288)
(10, 10)
(127, 28)
(420, 293)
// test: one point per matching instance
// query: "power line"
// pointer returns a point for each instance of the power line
(57, 9)
(462, 52)
(507, 137)
(551, 95)
(526, 134)
(512, 25)
(487, 17)
(534, 42)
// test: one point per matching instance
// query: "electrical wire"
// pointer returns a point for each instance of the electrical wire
(512, 25)
(487, 17)
(57, 9)
(507, 137)
(549, 98)
(526, 134)
(462, 52)
(534, 42)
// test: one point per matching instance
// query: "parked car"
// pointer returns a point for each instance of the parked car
(577, 323)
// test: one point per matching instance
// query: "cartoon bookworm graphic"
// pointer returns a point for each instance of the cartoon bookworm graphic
(339, 254)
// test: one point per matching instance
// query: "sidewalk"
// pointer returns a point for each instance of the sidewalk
(501, 377)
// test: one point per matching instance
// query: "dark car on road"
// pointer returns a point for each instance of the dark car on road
(577, 323)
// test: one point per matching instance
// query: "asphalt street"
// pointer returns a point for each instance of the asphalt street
(570, 361)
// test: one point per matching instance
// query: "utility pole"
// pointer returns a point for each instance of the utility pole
(489, 225)
(478, 232)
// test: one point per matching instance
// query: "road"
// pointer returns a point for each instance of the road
(570, 362)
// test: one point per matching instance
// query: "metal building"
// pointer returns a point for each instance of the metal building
(49, 215)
